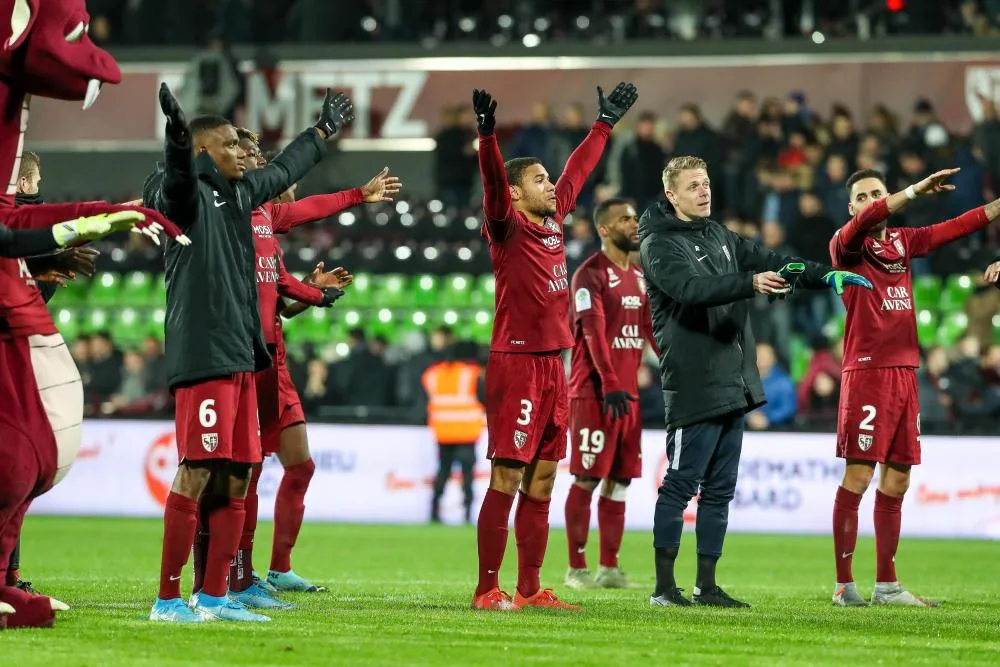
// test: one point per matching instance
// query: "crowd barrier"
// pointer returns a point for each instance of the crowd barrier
(383, 474)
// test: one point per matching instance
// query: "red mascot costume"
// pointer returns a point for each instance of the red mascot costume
(44, 51)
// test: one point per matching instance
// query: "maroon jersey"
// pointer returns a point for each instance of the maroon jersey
(529, 261)
(611, 323)
(269, 219)
(22, 309)
(881, 326)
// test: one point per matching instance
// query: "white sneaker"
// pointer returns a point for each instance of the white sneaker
(846, 595)
(895, 594)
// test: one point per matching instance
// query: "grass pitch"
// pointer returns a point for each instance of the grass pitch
(399, 595)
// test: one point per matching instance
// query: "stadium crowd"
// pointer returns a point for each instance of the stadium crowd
(151, 22)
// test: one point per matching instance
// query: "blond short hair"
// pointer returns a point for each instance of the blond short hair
(29, 162)
(679, 164)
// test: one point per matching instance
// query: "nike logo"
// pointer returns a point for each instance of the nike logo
(702, 257)
(175, 578)
(847, 554)
(581, 550)
(491, 571)
(219, 203)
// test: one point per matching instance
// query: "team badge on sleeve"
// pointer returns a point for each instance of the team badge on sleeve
(583, 299)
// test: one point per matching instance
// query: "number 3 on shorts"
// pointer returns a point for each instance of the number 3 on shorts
(206, 413)
(866, 422)
(525, 417)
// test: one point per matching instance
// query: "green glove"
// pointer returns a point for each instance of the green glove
(791, 272)
(838, 279)
(94, 227)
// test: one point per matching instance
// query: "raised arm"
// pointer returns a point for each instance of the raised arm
(586, 156)
(22, 243)
(924, 240)
(177, 193)
(760, 259)
(302, 154)
(498, 214)
(381, 188)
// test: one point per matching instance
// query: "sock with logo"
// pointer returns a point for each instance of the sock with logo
(531, 531)
(179, 522)
(845, 532)
(611, 526)
(225, 528)
(241, 569)
(887, 519)
(289, 508)
(578, 524)
(491, 534)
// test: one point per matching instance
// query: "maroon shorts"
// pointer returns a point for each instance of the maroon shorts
(879, 417)
(526, 407)
(602, 447)
(289, 405)
(217, 419)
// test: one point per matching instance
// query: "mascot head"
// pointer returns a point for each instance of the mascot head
(45, 51)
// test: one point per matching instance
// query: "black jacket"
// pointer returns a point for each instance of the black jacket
(699, 277)
(213, 324)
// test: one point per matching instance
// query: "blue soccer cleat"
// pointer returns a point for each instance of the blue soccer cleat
(291, 582)
(213, 608)
(173, 611)
(263, 583)
(255, 597)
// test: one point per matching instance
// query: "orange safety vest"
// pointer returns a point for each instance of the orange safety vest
(454, 412)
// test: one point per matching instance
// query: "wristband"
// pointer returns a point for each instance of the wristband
(910, 192)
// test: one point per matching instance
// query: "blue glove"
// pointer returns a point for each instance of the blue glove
(837, 280)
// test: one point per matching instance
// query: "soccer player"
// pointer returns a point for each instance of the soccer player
(283, 429)
(526, 404)
(214, 339)
(611, 323)
(879, 414)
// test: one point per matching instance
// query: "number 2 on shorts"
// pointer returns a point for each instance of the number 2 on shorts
(525, 417)
(866, 422)
(206, 413)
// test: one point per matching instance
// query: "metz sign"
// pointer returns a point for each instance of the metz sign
(284, 102)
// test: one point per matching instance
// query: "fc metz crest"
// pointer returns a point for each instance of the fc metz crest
(210, 441)
(520, 438)
(898, 245)
(865, 442)
(552, 226)
(588, 461)
(642, 283)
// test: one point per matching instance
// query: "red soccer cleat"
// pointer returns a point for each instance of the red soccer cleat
(494, 600)
(544, 598)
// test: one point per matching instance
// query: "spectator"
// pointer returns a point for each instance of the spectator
(582, 242)
(974, 400)
(318, 390)
(105, 369)
(833, 190)
(455, 158)
(80, 351)
(818, 393)
(650, 396)
(532, 140)
(935, 401)
(153, 363)
(695, 137)
(640, 164)
(779, 389)
(809, 237)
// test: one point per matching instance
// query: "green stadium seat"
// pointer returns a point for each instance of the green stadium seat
(956, 292)
(126, 327)
(482, 327)
(97, 319)
(457, 291)
(926, 328)
(361, 292)
(137, 289)
(951, 328)
(484, 293)
(75, 292)
(105, 290)
(155, 322)
(800, 356)
(426, 292)
(926, 292)
(67, 322)
(390, 291)
(834, 329)
(315, 325)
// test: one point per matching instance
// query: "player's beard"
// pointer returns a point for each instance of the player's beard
(625, 244)
(878, 229)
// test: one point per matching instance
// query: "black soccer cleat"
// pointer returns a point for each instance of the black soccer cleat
(716, 597)
(672, 598)
(25, 586)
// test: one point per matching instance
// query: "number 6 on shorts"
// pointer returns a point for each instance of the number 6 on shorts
(206, 413)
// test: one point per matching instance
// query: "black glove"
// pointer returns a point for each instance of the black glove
(330, 294)
(791, 272)
(485, 108)
(616, 403)
(617, 104)
(177, 128)
(338, 111)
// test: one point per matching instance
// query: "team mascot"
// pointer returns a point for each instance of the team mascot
(44, 51)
